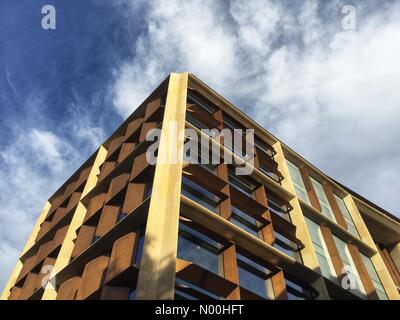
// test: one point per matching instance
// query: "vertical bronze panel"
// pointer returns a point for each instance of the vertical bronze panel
(84, 240)
(312, 195)
(117, 184)
(92, 278)
(394, 273)
(73, 201)
(132, 127)
(14, 293)
(279, 286)
(107, 220)
(134, 196)
(114, 293)
(106, 168)
(267, 231)
(122, 256)
(95, 205)
(68, 289)
(139, 164)
(230, 271)
(126, 149)
(335, 207)
(44, 227)
(225, 209)
(363, 272)
(151, 108)
(333, 252)
(30, 286)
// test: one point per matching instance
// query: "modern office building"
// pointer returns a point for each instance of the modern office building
(123, 228)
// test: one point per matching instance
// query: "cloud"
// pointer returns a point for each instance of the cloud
(34, 165)
(328, 93)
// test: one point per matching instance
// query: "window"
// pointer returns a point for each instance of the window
(276, 206)
(148, 190)
(263, 168)
(350, 266)
(201, 103)
(200, 249)
(244, 221)
(194, 121)
(121, 216)
(346, 214)
(324, 259)
(323, 200)
(199, 194)
(297, 291)
(298, 182)
(263, 146)
(132, 294)
(139, 248)
(185, 290)
(241, 184)
(374, 277)
(286, 246)
(253, 276)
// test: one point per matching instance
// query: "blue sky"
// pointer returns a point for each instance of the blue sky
(289, 64)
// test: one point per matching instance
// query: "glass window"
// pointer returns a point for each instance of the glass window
(139, 248)
(374, 277)
(241, 184)
(321, 250)
(286, 246)
(346, 214)
(201, 293)
(296, 291)
(199, 194)
(201, 103)
(298, 182)
(260, 144)
(263, 168)
(245, 221)
(323, 200)
(132, 294)
(195, 247)
(276, 206)
(253, 276)
(350, 266)
(194, 121)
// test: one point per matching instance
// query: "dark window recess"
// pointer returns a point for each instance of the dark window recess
(253, 276)
(195, 247)
(95, 238)
(298, 291)
(139, 248)
(264, 147)
(269, 173)
(245, 222)
(132, 294)
(200, 195)
(187, 291)
(286, 246)
(206, 106)
(241, 184)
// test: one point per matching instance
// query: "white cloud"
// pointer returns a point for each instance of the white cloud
(329, 93)
(33, 167)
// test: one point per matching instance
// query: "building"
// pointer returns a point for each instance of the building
(121, 228)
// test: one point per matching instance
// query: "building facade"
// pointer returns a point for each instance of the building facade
(124, 228)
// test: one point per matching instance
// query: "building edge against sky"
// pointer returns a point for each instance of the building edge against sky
(120, 228)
